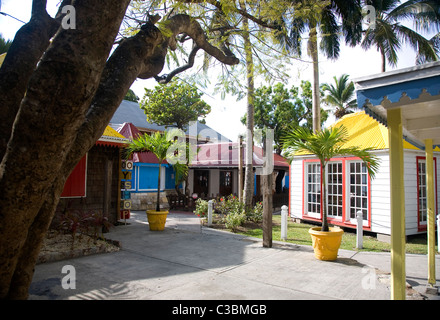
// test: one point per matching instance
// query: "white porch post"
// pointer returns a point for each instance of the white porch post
(398, 276)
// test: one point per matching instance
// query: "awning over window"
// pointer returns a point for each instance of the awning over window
(415, 90)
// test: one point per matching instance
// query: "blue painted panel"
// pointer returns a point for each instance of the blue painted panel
(169, 177)
(394, 92)
(147, 178)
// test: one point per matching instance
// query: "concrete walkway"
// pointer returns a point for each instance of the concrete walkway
(190, 262)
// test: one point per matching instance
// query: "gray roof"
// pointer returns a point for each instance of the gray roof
(131, 112)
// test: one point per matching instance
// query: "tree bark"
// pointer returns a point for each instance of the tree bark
(30, 42)
(70, 99)
(249, 172)
(324, 226)
(316, 103)
(267, 200)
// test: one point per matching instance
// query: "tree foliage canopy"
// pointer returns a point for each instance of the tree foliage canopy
(280, 108)
(174, 104)
(340, 95)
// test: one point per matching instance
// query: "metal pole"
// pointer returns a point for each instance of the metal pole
(209, 213)
(284, 210)
(359, 230)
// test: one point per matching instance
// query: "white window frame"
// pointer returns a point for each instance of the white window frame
(362, 186)
(335, 185)
(315, 187)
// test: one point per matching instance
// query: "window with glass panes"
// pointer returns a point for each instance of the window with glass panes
(334, 189)
(313, 188)
(358, 179)
(421, 178)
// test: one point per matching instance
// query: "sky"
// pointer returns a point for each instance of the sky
(226, 114)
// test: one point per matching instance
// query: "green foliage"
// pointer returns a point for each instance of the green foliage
(131, 96)
(256, 213)
(235, 212)
(175, 103)
(323, 21)
(229, 204)
(202, 208)
(234, 219)
(162, 145)
(278, 108)
(388, 33)
(340, 95)
(4, 44)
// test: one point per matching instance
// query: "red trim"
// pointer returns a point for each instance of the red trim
(420, 227)
(109, 144)
(342, 220)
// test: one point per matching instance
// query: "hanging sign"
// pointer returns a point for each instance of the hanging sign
(126, 204)
(127, 165)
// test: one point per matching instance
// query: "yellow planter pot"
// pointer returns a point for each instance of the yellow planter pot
(157, 219)
(326, 244)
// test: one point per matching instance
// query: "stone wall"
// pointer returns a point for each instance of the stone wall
(147, 200)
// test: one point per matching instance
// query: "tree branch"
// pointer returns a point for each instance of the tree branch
(167, 77)
(182, 23)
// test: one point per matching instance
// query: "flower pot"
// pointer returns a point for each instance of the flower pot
(326, 244)
(157, 219)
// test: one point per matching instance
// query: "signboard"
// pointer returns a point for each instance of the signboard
(125, 177)
(127, 165)
(125, 214)
(126, 204)
(125, 184)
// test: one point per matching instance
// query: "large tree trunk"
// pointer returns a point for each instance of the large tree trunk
(58, 94)
(70, 98)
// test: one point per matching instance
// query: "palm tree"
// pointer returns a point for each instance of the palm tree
(388, 33)
(325, 145)
(321, 18)
(157, 143)
(340, 95)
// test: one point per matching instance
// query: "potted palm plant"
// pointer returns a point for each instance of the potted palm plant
(160, 145)
(325, 145)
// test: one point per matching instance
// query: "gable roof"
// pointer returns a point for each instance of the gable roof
(366, 132)
(129, 131)
(111, 137)
(225, 155)
(129, 111)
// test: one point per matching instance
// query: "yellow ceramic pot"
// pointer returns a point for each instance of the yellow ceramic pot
(326, 244)
(157, 219)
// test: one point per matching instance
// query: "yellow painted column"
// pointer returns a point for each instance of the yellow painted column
(398, 276)
(430, 196)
